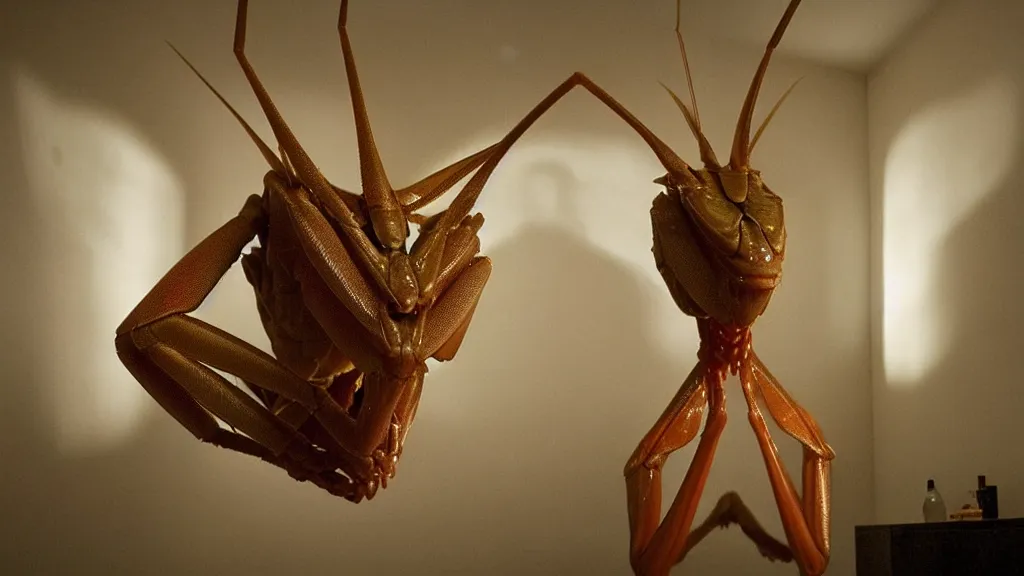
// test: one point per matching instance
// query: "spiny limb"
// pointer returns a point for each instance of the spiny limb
(372, 467)
(403, 415)
(804, 519)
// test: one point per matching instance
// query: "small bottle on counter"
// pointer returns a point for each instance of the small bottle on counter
(988, 500)
(934, 508)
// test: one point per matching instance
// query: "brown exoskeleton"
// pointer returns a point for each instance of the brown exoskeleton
(351, 310)
(719, 243)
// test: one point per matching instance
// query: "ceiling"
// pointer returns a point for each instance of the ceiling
(851, 34)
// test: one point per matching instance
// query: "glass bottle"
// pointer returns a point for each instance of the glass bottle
(934, 508)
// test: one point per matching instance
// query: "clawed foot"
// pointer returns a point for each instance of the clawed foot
(731, 510)
(382, 463)
(386, 458)
(364, 476)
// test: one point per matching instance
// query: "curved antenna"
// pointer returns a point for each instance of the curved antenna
(740, 157)
(707, 153)
(268, 154)
(686, 66)
(768, 118)
(304, 169)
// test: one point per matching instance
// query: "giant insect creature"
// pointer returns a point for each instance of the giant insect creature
(351, 310)
(719, 244)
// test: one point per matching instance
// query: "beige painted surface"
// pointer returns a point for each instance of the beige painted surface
(116, 160)
(946, 122)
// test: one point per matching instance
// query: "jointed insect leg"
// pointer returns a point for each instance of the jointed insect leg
(656, 548)
(805, 519)
(172, 354)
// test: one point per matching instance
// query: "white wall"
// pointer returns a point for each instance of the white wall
(118, 160)
(946, 114)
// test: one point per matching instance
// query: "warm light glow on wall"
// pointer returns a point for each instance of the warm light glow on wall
(590, 188)
(111, 223)
(945, 160)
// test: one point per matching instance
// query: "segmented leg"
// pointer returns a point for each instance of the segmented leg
(655, 548)
(171, 355)
(805, 519)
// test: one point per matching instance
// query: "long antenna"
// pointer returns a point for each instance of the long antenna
(740, 157)
(686, 66)
(768, 118)
(707, 154)
(268, 154)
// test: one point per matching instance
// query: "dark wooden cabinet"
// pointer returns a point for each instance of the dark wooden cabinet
(968, 548)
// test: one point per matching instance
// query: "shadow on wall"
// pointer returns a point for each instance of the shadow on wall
(542, 383)
(952, 108)
(521, 477)
(151, 496)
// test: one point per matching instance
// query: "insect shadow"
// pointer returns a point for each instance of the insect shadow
(544, 403)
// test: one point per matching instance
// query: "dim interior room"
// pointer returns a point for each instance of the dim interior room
(895, 325)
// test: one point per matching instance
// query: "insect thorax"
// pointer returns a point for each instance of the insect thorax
(724, 347)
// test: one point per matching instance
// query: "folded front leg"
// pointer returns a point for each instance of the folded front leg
(654, 546)
(805, 518)
(173, 356)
